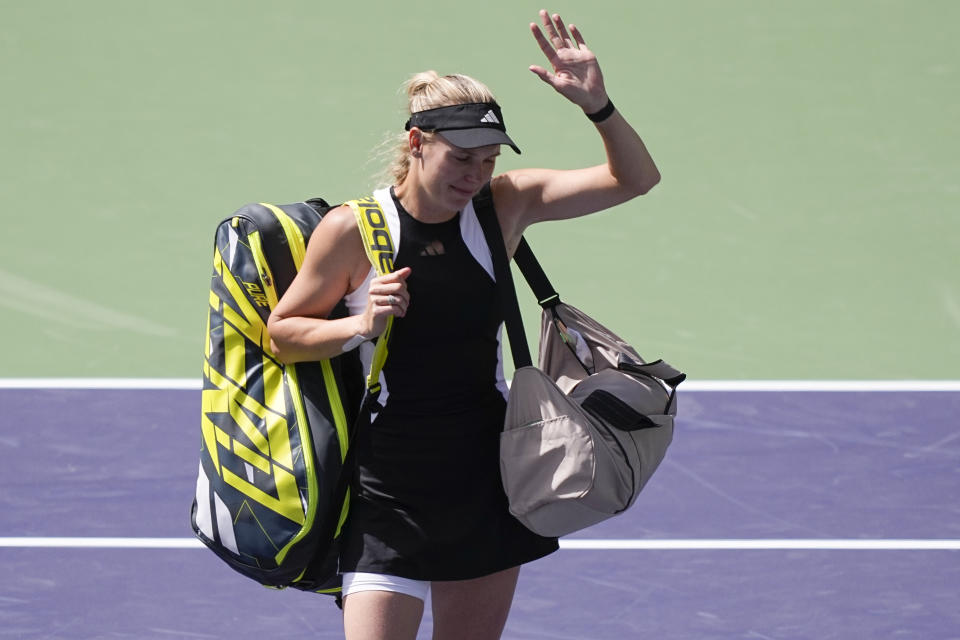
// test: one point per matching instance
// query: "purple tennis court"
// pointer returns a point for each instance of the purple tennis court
(777, 514)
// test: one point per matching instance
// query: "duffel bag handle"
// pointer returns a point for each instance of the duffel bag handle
(658, 369)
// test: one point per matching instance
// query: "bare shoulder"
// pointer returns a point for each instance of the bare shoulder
(508, 193)
(338, 223)
(508, 200)
(336, 247)
(517, 196)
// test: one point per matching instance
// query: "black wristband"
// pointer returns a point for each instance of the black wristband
(603, 114)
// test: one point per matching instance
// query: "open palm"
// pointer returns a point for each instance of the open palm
(576, 73)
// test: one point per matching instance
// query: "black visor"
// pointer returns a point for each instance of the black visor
(476, 124)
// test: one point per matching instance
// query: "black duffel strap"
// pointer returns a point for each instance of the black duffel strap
(530, 267)
(506, 291)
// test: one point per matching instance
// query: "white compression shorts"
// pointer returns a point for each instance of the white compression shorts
(354, 582)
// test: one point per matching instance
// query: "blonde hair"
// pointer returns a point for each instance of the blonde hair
(429, 90)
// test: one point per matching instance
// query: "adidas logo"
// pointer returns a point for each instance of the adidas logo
(435, 248)
(490, 117)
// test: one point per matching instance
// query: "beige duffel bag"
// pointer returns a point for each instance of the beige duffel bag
(586, 429)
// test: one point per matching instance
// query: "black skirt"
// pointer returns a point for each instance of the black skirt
(429, 503)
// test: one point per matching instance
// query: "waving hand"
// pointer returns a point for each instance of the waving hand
(576, 74)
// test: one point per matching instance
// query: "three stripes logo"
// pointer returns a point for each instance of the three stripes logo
(491, 117)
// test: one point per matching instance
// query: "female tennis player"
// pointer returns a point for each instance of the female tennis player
(429, 512)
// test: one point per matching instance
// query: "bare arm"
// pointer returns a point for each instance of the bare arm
(527, 196)
(335, 264)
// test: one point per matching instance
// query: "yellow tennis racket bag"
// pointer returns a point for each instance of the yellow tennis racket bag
(276, 457)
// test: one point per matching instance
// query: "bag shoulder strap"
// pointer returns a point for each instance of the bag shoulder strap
(547, 296)
(376, 233)
(506, 291)
(380, 251)
(533, 273)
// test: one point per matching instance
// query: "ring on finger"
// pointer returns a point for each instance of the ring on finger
(392, 300)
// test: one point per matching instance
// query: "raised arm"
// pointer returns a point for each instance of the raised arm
(526, 196)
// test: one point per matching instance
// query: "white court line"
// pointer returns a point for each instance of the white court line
(820, 385)
(101, 383)
(689, 385)
(762, 544)
(100, 543)
(573, 544)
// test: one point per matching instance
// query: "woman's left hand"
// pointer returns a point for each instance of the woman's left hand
(576, 73)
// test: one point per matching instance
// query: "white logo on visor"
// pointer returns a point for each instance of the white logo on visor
(490, 117)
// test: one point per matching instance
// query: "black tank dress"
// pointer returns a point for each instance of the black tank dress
(429, 503)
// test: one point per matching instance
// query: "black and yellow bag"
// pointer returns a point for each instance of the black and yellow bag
(275, 458)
